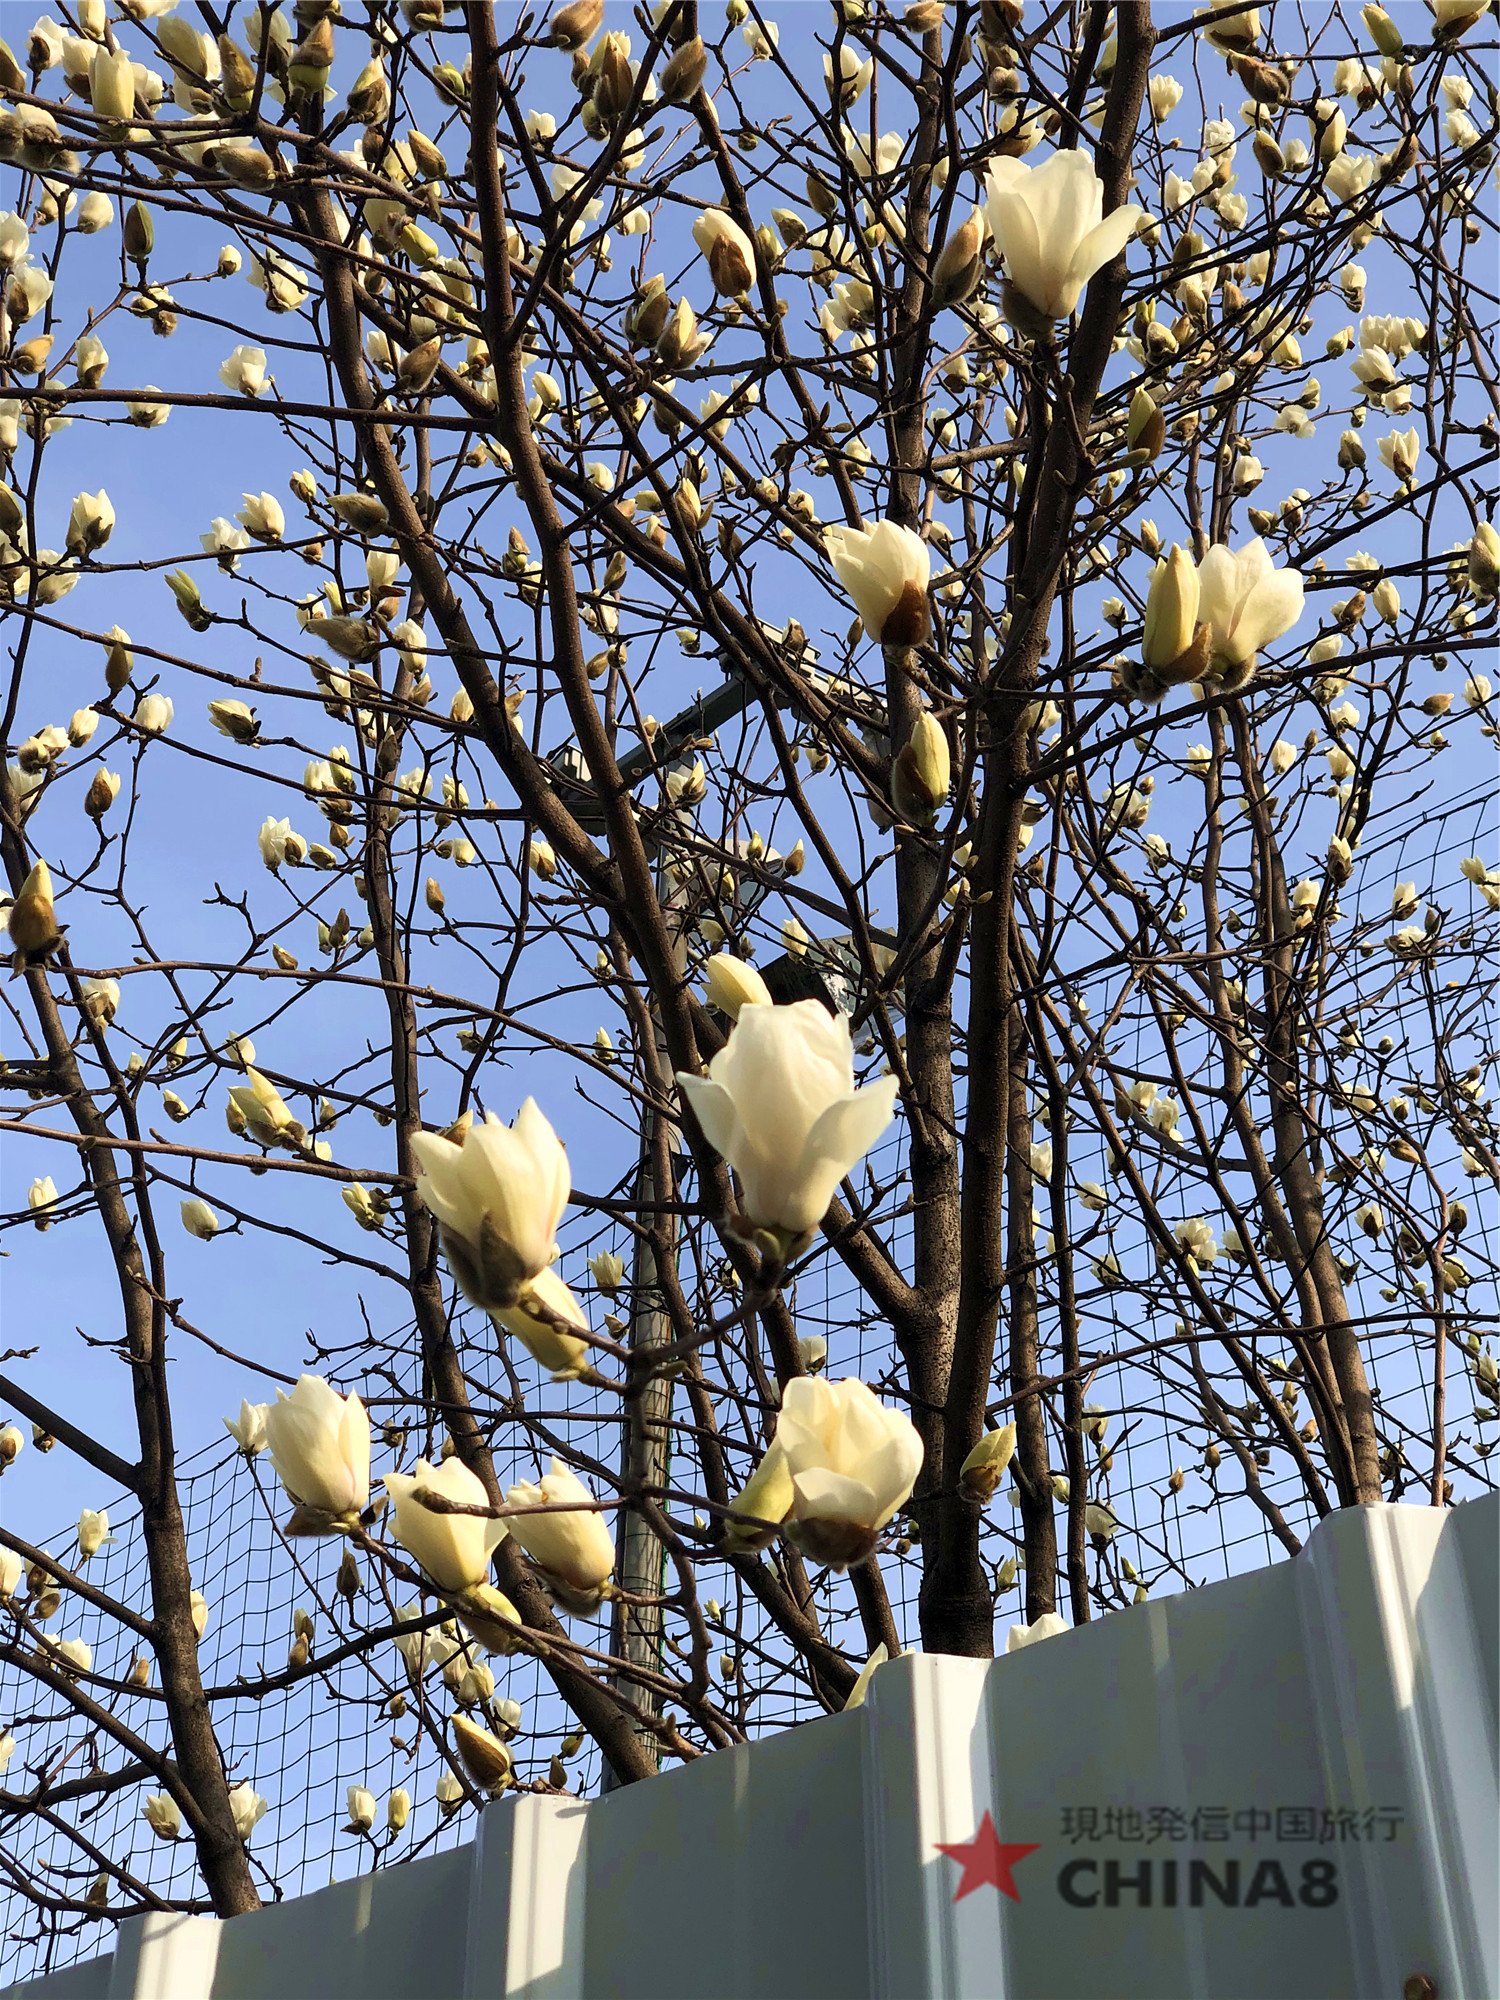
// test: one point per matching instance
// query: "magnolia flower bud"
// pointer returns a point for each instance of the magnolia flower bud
(1171, 645)
(248, 1808)
(362, 512)
(1400, 452)
(1383, 31)
(199, 1220)
(234, 720)
(958, 267)
(922, 771)
(93, 1532)
(683, 76)
(112, 87)
(485, 1757)
(11, 1443)
(729, 252)
(1145, 428)
(398, 1809)
(732, 984)
(982, 1471)
(361, 1803)
(161, 1814)
(33, 921)
(90, 523)
(812, 1351)
(249, 1429)
(1484, 561)
(576, 24)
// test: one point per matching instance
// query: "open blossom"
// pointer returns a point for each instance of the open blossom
(1246, 602)
(573, 1549)
(1400, 451)
(498, 1194)
(454, 1549)
(279, 845)
(263, 516)
(779, 1104)
(245, 370)
(319, 1443)
(1050, 225)
(886, 570)
(851, 1463)
(248, 1429)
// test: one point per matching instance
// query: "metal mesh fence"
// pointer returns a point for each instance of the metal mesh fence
(363, 1717)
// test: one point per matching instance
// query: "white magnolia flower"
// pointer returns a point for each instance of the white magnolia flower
(573, 1549)
(732, 984)
(161, 1814)
(499, 1194)
(727, 250)
(1051, 229)
(153, 713)
(199, 1220)
(248, 1429)
(93, 1533)
(431, 1647)
(248, 1807)
(1197, 1239)
(852, 1463)
(886, 570)
(1046, 1627)
(361, 1803)
(779, 1104)
(263, 516)
(454, 1549)
(319, 1443)
(245, 371)
(1400, 451)
(14, 238)
(280, 846)
(95, 212)
(854, 75)
(91, 523)
(1246, 602)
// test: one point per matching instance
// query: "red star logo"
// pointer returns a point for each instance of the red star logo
(987, 1858)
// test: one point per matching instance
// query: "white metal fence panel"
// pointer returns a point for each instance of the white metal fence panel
(1282, 1787)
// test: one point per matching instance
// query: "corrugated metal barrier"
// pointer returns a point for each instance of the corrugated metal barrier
(1283, 1786)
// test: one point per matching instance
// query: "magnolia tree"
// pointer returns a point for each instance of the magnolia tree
(841, 640)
